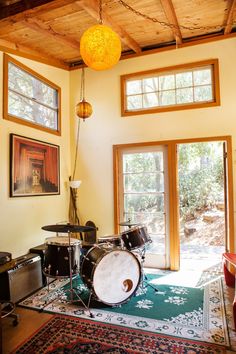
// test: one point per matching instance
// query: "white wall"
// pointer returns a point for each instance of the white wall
(21, 218)
(106, 126)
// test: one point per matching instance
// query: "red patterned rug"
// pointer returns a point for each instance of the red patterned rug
(65, 334)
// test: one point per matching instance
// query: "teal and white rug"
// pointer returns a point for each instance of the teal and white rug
(192, 313)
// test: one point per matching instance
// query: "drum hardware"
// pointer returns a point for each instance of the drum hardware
(144, 281)
(68, 228)
(128, 223)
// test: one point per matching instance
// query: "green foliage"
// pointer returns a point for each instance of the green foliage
(201, 178)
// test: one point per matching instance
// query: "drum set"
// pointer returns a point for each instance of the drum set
(112, 268)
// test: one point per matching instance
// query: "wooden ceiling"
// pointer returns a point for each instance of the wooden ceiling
(50, 31)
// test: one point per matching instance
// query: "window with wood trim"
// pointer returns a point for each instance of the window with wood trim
(29, 98)
(188, 86)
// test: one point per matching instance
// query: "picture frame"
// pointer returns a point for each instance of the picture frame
(34, 167)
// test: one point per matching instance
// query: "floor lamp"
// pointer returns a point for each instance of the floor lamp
(73, 212)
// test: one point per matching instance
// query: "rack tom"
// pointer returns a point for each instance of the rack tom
(135, 237)
(114, 240)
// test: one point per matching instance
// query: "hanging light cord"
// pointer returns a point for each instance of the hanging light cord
(100, 12)
(170, 25)
(82, 93)
(76, 150)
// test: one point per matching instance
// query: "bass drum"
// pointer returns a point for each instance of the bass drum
(56, 261)
(112, 274)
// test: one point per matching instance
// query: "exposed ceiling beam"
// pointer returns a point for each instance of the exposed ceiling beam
(13, 7)
(30, 53)
(229, 18)
(92, 8)
(48, 31)
(38, 10)
(169, 10)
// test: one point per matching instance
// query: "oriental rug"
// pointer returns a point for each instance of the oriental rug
(191, 313)
(65, 334)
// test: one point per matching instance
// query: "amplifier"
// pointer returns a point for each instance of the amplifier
(41, 250)
(21, 280)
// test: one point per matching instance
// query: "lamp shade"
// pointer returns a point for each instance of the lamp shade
(84, 109)
(100, 47)
(74, 184)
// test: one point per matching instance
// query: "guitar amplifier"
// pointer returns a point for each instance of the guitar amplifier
(21, 280)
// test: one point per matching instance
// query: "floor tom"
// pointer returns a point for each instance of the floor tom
(56, 261)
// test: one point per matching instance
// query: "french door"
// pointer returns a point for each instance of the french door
(143, 198)
(146, 191)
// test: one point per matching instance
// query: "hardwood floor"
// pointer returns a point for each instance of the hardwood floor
(29, 322)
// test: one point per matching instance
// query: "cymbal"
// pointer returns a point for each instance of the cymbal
(66, 228)
(128, 223)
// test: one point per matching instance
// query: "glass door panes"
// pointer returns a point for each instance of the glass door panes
(144, 195)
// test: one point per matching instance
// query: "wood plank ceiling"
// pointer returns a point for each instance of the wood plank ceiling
(50, 31)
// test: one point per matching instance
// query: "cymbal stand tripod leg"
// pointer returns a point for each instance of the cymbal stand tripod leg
(72, 290)
(144, 276)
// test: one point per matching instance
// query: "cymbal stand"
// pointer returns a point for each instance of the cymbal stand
(71, 289)
(74, 297)
(144, 280)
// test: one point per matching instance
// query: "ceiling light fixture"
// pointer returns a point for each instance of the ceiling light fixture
(83, 108)
(100, 46)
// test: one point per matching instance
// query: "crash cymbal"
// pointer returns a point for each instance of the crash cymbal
(66, 228)
(128, 223)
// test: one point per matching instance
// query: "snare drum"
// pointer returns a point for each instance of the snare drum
(135, 237)
(56, 261)
(113, 239)
(112, 274)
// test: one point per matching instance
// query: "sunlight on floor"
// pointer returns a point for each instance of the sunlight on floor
(193, 274)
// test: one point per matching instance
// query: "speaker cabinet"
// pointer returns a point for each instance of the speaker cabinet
(23, 279)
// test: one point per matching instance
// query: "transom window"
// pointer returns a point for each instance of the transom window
(187, 86)
(29, 98)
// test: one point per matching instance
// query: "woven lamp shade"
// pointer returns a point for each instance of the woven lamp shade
(100, 47)
(84, 109)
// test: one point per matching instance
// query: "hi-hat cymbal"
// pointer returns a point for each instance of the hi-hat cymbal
(128, 223)
(66, 228)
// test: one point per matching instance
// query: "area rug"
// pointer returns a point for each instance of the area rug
(65, 334)
(191, 313)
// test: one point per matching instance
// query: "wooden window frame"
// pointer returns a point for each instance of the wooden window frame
(6, 115)
(168, 70)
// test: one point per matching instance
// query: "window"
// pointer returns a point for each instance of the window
(187, 86)
(29, 98)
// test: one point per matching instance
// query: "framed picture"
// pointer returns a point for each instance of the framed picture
(34, 167)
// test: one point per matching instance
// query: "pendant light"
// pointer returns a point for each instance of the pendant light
(83, 108)
(100, 46)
